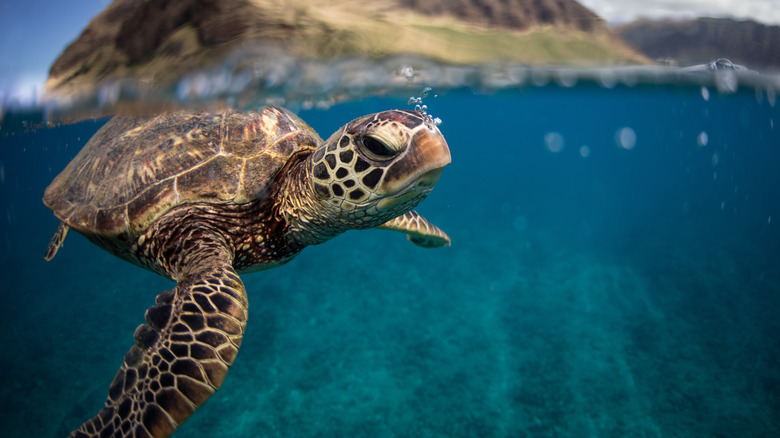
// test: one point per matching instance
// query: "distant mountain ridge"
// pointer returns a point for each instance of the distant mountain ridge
(154, 41)
(513, 14)
(703, 40)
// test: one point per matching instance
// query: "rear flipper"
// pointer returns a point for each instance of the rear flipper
(56, 241)
(418, 230)
(181, 357)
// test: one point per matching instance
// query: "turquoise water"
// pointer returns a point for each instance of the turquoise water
(614, 272)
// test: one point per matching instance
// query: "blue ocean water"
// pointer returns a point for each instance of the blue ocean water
(614, 272)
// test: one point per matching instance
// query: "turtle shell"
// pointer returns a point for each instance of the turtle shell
(134, 170)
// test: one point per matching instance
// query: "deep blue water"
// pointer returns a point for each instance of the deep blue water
(614, 272)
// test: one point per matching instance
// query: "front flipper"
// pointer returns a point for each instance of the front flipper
(181, 356)
(418, 230)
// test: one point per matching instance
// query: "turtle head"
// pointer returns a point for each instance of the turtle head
(378, 167)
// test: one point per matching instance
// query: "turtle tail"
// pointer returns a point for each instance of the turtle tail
(180, 357)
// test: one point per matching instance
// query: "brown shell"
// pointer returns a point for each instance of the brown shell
(133, 171)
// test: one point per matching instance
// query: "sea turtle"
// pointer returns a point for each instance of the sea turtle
(200, 197)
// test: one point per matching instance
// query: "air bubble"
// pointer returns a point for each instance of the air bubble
(584, 151)
(702, 139)
(625, 138)
(520, 223)
(705, 93)
(554, 142)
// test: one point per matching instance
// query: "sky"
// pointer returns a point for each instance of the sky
(34, 32)
(623, 11)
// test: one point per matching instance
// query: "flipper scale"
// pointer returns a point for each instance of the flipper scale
(180, 358)
(418, 230)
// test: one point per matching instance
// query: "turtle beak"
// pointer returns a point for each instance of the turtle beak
(422, 164)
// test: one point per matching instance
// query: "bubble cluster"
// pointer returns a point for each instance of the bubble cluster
(422, 109)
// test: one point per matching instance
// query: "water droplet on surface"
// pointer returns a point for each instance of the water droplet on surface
(722, 64)
(566, 77)
(726, 81)
(584, 152)
(607, 78)
(539, 78)
(108, 94)
(407, 71)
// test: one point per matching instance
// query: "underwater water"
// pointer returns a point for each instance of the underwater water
(614, 272)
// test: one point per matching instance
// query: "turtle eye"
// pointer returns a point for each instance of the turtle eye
(376, 149)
